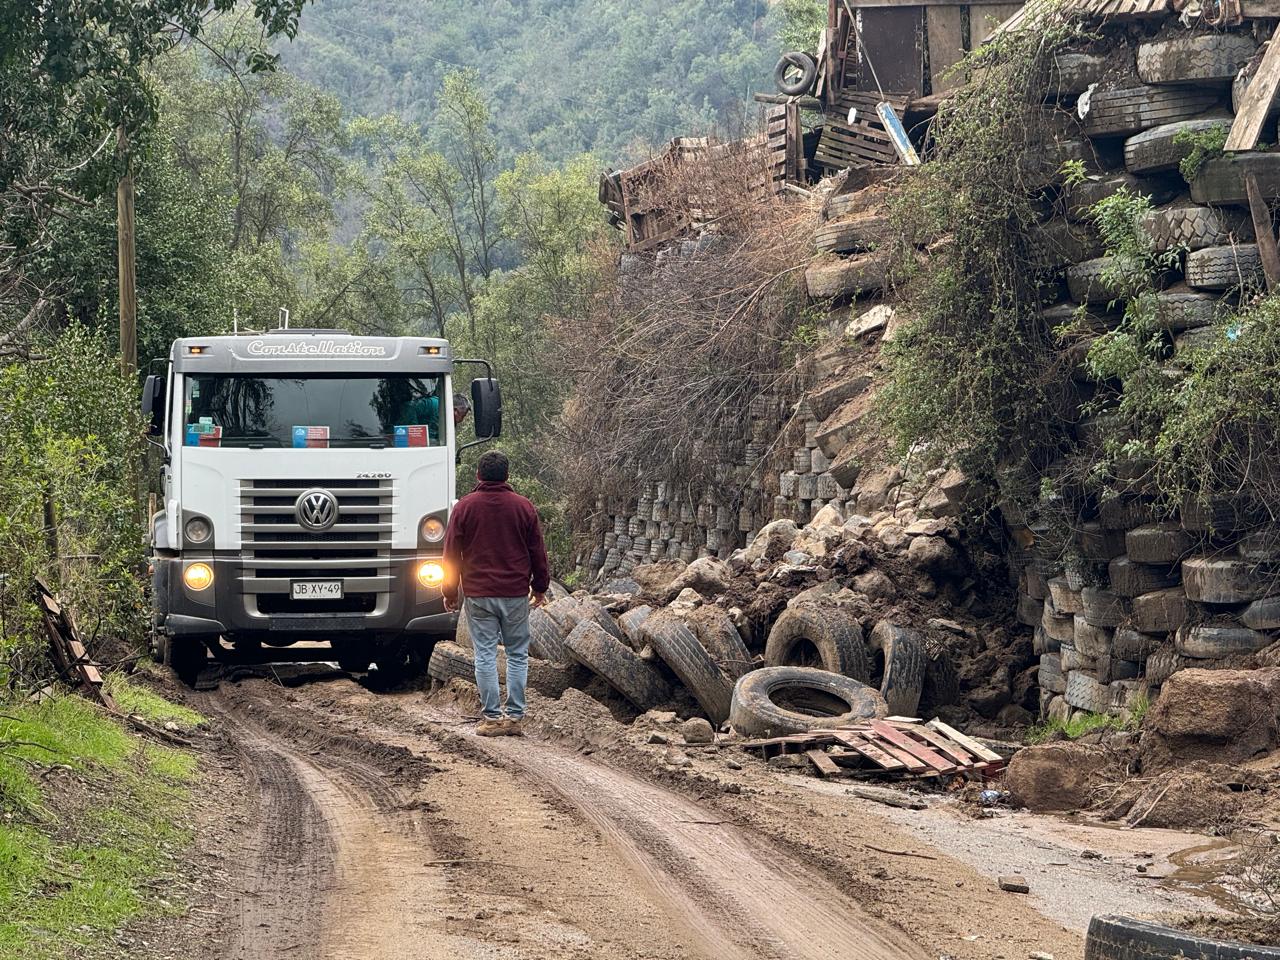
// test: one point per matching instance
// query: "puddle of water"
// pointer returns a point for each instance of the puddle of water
(1202, 868)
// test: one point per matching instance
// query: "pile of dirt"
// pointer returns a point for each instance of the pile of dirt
(1225, 716)
(1059, 776)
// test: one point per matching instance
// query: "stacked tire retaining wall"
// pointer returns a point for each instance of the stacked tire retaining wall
(1125, 594)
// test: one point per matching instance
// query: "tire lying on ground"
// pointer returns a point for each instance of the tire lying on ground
(720, 638)
(1086, 693)
(546, 637)
(617, 664)
(1071, 74)
(1089, 283)
(1120, 938)
(680, 649)
(864, 273)
(862, 231)
(901, 651)
(449, 660)
(774, 701)
(1180, 308)
(594, 610)
(632, 624)
(819, 635)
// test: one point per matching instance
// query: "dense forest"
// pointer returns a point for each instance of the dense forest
(563, 78)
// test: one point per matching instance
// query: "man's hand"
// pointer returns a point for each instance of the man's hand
(450, 605)
(539, 600)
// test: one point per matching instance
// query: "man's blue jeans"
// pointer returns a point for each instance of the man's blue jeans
(493, 621)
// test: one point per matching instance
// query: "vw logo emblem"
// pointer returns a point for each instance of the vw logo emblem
(316, 510)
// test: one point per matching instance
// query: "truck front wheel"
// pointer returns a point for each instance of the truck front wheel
(186, 657)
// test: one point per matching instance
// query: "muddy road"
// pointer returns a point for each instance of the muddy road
(352, 825)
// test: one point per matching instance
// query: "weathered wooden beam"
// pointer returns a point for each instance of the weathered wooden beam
(1265, 232)
(1257, 100)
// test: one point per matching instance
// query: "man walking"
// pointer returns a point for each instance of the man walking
(493, 549)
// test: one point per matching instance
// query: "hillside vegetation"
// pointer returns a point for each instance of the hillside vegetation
(606, 76)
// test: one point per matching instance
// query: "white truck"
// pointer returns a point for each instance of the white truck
(307, 482)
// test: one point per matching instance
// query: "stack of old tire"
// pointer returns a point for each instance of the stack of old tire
(818, 667)
(1127, 592)
(853, 257)
(666, 521)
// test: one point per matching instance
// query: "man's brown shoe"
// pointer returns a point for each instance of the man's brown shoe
(492, 728)
(512, 728)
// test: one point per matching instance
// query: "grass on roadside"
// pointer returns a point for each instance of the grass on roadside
(88, 822)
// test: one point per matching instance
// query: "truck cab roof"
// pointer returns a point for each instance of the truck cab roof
(310, 351)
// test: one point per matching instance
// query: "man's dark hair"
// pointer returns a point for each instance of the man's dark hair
(493, 466)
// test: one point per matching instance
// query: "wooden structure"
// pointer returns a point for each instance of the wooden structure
(663, 199)
(897, 748)
(68, 650)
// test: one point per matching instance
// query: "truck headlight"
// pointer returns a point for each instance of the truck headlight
(430, 573)
(198, 576)
(432, 530)
(198, 530)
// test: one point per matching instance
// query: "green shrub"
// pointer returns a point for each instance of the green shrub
(70, 437)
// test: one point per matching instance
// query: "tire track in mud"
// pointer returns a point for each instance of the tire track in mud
(738, 896)
(338, 868)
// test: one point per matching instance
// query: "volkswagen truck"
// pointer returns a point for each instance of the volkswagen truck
(306, 485)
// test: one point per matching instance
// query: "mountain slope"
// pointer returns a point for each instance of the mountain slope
(564, 76)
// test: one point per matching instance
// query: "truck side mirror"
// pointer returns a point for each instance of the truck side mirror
(153, 391)
(486, 407)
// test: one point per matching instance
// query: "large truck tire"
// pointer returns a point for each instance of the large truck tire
(720, 637)
(1214, 642)
(186, 656)
(1121, 938)
(816, 634)
(1190, 226)
(1131, 579)
(632, 624)
(941, 684)
(617, 664)
(546, 637)
(901, 652)
(1086, 693)
(1224, 267)
(680, 649)
(1210, 580)
(1071, 74)
(1122, 111)
(774, 701)
(1160, 149)
(449, 660)
(1203, 57)
(1180, 308)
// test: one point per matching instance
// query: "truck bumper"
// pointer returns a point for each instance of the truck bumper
(227, 609)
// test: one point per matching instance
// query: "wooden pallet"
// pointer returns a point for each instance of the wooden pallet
(844, 144)
(897, 747)
(77, 666)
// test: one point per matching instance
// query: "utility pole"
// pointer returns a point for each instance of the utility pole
(126, 261)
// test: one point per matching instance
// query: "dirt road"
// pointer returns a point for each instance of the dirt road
(349, 825)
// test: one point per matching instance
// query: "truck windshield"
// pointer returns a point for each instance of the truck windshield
(325, 410)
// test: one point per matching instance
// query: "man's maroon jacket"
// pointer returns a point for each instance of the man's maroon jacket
(494, 543)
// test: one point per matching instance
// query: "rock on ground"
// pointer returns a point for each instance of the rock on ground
(707, 575)
(1055, 776)
(697, 730)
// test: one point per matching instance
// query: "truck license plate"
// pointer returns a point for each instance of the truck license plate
(316, 590)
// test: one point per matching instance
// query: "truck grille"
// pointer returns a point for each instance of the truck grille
(278, 550)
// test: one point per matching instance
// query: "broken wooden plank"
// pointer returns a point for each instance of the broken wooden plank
(967, 742)
(1260, 94)
(824, 764)
(1264, 231)
(913, 747)
(880, 758)
(942, 744)
(890, 798)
